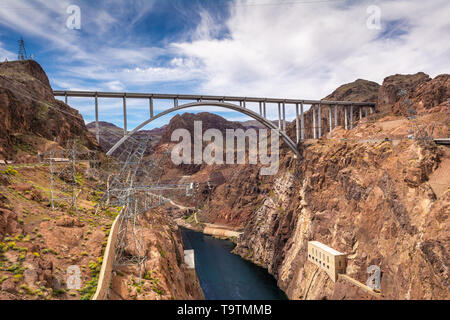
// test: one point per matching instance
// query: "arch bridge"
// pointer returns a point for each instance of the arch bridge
(238, 104)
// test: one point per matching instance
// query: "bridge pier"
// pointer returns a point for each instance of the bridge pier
(345, 117)
(360, 113)
(319, 115)
(97, 129)
(265, 110)
(284, 117)
(302, 122)
(125, 129)
(279, 116)
(314, 122)
(335, 116)
(329, 119)
(351, 116)
(260, 109)
(297, 124)
(151, 108)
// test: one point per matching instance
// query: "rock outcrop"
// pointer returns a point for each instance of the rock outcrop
(375, 200)
(412, 94)
(357, 91)
(30, 117)
(164, 275)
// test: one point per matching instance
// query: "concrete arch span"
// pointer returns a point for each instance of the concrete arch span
(268, 124)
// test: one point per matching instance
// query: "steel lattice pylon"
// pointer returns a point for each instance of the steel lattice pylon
(22, 54)
(136, 188)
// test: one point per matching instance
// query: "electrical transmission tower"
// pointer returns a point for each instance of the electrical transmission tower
(22, 55)
(63, 171)
(134, 185)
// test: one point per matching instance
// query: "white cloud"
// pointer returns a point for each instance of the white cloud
(295, 50)
(6, 54)
(306, 51)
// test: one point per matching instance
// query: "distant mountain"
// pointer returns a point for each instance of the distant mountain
(209, 121)
(110, 134)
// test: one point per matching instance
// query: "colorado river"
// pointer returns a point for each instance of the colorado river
(226, 276)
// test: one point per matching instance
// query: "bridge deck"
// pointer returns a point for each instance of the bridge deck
(93, 94)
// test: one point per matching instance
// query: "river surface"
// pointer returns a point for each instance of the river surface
(226, 276)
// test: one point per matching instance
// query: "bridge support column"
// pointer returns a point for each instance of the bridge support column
(175, 102)
(329, 119)
(319, 118)
(366, 111)
(297, 124)
(279, 116)
(125, 129)
(151, 108)
(371, 110)
(284, 117)
(97, 129)
(265, 110)
(314, 121)
(351, 117)
(345, 117)
(66, 99)
(360, 113)
(260, 109)
(335, 116)
(302, 123)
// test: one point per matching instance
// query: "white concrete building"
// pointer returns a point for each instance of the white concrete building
(328, 259)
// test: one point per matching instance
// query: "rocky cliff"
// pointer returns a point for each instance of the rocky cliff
(378, 202)
(164, 274)
(382, 203)
(31, 119)
(39, 244)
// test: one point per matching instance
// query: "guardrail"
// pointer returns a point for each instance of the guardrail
(105, 276)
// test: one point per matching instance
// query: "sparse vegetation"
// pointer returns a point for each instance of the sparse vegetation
(10, 171)
(91, 286)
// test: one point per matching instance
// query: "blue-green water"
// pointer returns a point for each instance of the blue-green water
(226, 276)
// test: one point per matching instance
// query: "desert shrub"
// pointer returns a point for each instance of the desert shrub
(10, 171)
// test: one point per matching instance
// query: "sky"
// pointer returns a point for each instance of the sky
(301, 49)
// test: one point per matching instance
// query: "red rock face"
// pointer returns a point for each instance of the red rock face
(186, 121)
(377, 202)
(27, 107)
(411, 94)
(357, 91)
(165, 276)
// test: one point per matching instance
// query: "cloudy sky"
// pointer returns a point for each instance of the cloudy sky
(273, 48)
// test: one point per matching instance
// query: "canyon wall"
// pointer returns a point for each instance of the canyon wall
(383, 203)
(164, 274)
